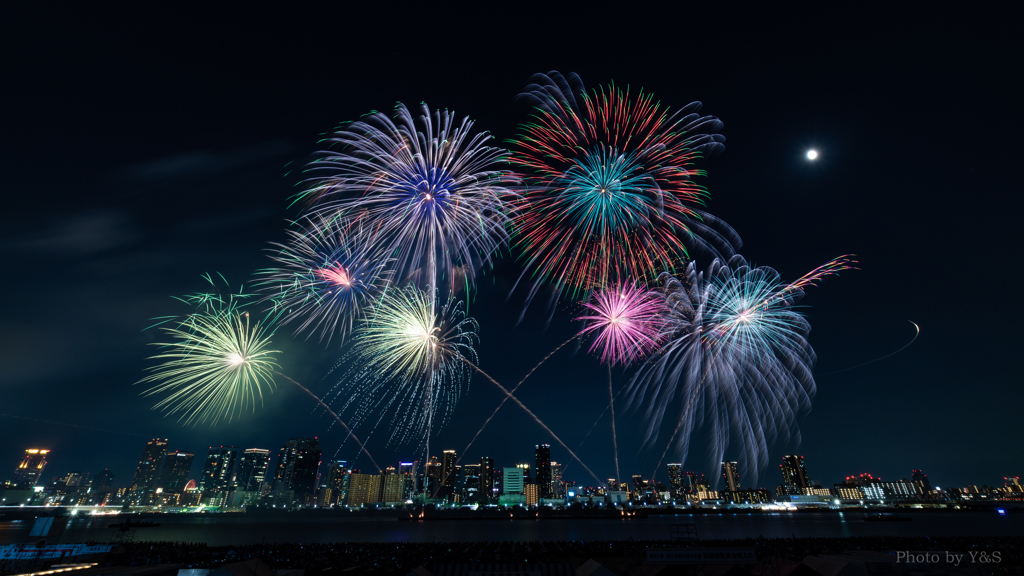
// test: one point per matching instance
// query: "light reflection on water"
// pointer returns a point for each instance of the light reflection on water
(225, 529)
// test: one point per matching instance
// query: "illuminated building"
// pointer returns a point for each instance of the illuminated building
(849, 492)
(252, 469)
(27, 474)
(146, 475)
(486, 477)
(512, 480)
(675, 481)
(794, 475)
(557, 486)
(731, 475)
(363, 489)
(1013, 485)
(526, 472)
(432, 481)
(408, 469)
(920, 479)
(297, 465)
(104, 479)
(394, 486)
(695, 483)
(174, 474)
(532, 494)
(542, 458)
(218, 470)
(448, 472)
(335, 489)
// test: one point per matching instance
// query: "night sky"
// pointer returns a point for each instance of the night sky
(141, 150)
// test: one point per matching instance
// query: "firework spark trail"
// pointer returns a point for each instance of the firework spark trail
(532, 415)
(917, 332)
(610, 191)
(434, 193)
(336, 417)
(505, 399)
(592, 426)
(615, 438)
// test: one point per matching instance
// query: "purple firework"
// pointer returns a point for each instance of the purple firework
(628, 321)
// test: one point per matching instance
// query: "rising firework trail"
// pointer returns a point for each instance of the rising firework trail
(917, 332)
(737, 358)
(437, 198)
(610, 185)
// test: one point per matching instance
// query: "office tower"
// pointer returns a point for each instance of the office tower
(174, 474)
(27, 474)
(468, 487)
(638, 485)
(532, 493)
(512, 480)
(297, 465)
(363, 489)
(148, 472)
(448, 472)
(252, 469)
(794, 475)
(218, 470)
(104, 479)
(76, 479)
(394, 485)
(486, 477)
(675, 481)
(408, 469)
(335, 486)
(526, 472)
(731, 475)
(695, 483)
(542, 458)
(557, 487)
(432, 481)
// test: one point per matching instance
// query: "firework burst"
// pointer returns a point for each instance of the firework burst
(627, 321)
(216, 363)
(408, 361)
(437, 198)
(611, 192)
(736, 357)
(327, 274)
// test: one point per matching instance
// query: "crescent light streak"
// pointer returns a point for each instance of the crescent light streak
(917, 332)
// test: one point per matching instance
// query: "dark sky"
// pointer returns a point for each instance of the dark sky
(142, 149)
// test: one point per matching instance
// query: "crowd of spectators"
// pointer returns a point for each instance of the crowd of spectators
(401, 557)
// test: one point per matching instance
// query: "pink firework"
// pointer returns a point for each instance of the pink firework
(628, 320)
(335, 274)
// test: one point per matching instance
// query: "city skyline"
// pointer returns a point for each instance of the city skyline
(168, 182)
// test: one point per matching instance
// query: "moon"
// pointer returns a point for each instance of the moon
(812, 154)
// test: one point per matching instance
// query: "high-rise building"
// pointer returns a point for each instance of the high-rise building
(448, 472)
(146, 475)
(394, 486)
(695, 483)
(27, 474)
(252, 469)
(297, 465)
(104, 479)
(532, 493)
(409, 470)
(335, 487)
(675, 481)
(174, 474)
(557, 487)
(218, 470)
(794, 475)
(469, 485)
(512, 480)
(432, 481)
(364, 489)
(921, 480)
(542, 457)
(487, 477)
(731, 475)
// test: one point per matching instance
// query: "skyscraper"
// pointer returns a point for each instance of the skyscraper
(512, 480)
(557, 487)
(432, 481)
(252, 469)
(731, 475)
(148, 472)
(27, 474)
(408, 469)
(675, 481)
(448, 472)
(525, 467)
(297, 465)
(486, 477)
(542, 457)
(174, 474)
(794, 475)
(363, 489)
(218, 470)
(920, 479)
